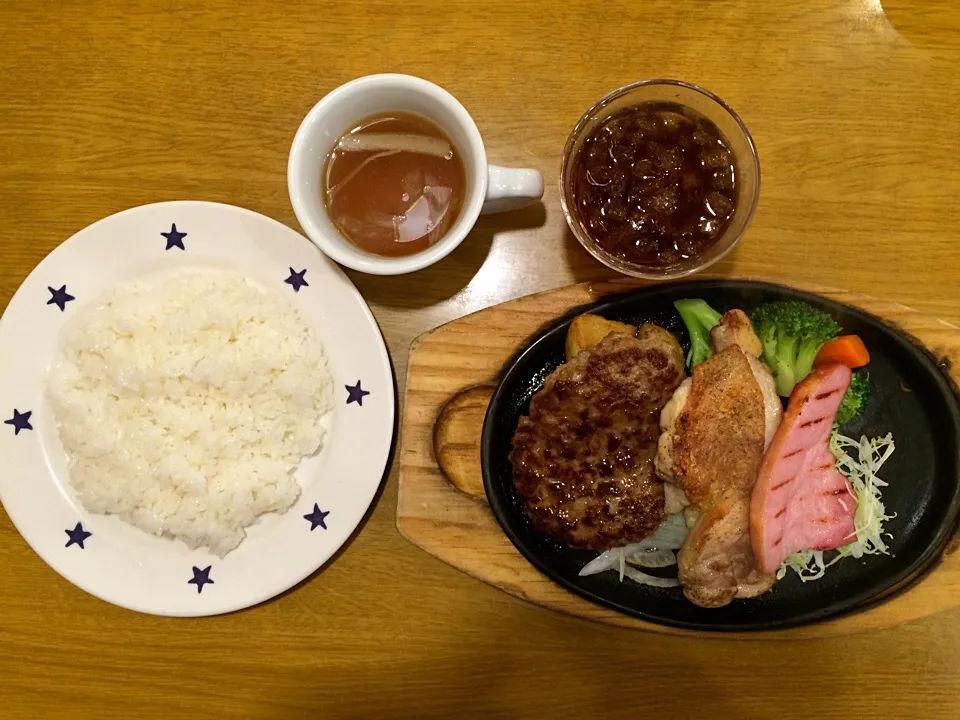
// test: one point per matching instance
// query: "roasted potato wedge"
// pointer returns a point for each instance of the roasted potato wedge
(587, 330)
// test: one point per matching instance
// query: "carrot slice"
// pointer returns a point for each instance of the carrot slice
(847, 350)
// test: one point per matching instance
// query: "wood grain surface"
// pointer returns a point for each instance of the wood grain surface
(108, 104)
(442, 505)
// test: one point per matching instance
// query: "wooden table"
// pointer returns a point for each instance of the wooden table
(110, 104)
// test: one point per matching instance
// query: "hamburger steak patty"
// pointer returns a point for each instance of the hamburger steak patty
(583, 458)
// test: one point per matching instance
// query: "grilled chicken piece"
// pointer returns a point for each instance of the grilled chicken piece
(801, 501)
(664, 460)
(715, 430)
(717, 447)
(719, 432)
(772, 405)
(583, 458)
(735, 328)
(717, 562)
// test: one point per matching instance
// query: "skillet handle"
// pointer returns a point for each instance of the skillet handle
(456, 439)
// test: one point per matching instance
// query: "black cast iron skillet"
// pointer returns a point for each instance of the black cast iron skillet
(910, 397)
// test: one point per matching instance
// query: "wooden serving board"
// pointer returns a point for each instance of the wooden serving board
(442, 508)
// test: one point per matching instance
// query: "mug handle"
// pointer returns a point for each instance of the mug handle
(511, 188)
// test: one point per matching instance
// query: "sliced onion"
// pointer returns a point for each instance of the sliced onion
(652, 552)
(644, 579)
(652, 558)
(669, 536)
(607, 560)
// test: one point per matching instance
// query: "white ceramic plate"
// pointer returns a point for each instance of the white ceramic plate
(116, 561)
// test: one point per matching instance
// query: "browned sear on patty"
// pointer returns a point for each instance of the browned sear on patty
(583, 458)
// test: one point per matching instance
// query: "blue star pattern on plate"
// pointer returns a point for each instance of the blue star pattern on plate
(357, 394)
(20, 421)
(201, 578)
(77, 536)
(296, 280)
(174, 238)
(60, 297)
(317, 518)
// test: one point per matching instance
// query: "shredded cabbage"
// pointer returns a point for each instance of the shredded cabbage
(860, 461)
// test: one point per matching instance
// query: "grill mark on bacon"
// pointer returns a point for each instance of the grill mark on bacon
(785, 482)
(823, 396)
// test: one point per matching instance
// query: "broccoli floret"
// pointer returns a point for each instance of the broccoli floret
(792, 333)
(855, 398)
(699, 319)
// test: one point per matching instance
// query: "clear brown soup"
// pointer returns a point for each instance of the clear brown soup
(394, 184)
(655, 184)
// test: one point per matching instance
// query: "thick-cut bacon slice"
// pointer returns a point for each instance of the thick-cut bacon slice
(801, 501)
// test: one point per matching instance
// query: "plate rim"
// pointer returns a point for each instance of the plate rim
(928, 560)
(390, 414)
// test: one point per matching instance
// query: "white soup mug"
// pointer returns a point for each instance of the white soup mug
(489, 188)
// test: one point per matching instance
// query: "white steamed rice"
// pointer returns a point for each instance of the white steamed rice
(185, 404)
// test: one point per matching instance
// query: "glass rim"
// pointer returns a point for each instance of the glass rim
(651, 272)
